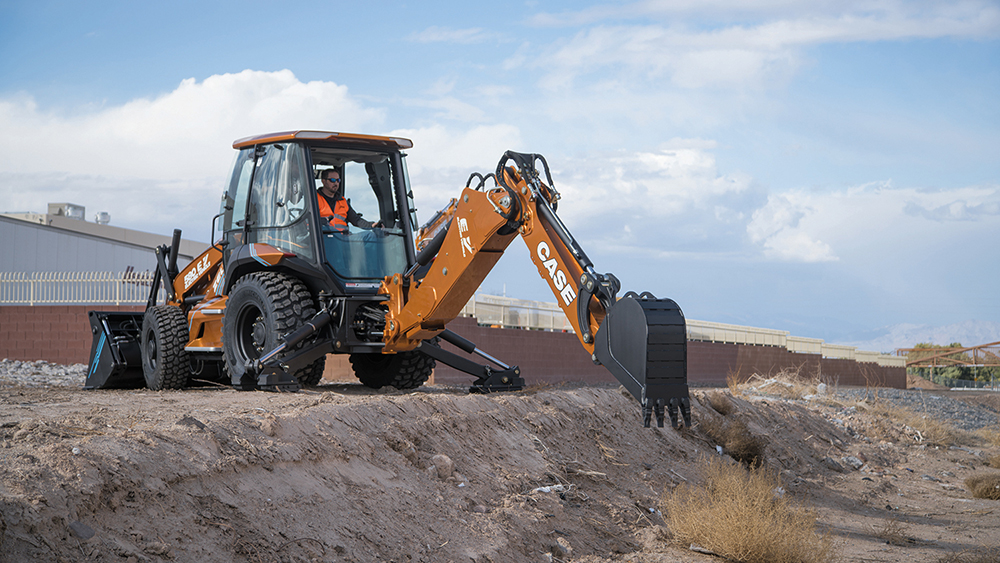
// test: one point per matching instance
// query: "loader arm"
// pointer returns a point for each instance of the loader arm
(641, 340)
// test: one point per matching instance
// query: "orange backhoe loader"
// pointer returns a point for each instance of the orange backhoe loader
(296, 274)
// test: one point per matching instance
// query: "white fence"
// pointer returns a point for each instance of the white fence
(506, 312)
(75, 288)
(707, 331)
(132, 288)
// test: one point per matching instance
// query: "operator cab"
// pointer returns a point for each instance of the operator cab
(274, 198)
(361, 254)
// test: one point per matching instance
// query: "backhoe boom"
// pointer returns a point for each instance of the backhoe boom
(640, 339)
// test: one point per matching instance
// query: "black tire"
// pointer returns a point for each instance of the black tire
(405, 370)
(165, 364)
(261, 309)
(310, 376)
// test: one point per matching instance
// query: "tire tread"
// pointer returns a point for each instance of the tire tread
(173, 362)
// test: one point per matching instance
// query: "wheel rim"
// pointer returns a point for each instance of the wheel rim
(151, 348)
(251, 333)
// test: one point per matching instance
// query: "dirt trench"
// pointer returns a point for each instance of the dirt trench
(341, 473)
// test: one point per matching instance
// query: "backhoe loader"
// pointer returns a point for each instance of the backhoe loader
(289, 281)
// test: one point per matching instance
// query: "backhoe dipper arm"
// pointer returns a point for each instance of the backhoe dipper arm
(640, 339)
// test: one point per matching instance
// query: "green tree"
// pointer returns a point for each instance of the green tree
(949, 369)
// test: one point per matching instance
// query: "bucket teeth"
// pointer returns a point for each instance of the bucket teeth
(642, 341)
(683, 405)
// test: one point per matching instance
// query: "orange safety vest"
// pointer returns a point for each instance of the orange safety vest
(337, 215)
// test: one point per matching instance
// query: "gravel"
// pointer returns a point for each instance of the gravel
(959, 414)
(41, 374)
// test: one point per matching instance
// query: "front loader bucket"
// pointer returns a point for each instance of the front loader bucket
(643, 343)
(115, 355)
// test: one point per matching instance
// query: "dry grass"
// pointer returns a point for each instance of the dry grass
(787, 384)
(984, 485)
(990, 435)
(733, 381)
(930, 430)
(736, 439)
(737, 514)
(893, 532)
(994, 461)
(721, 403)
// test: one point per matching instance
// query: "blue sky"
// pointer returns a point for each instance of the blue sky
(826, 168)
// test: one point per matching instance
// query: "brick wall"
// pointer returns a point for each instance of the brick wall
(55, 333)
(61, 334)
(711, 363)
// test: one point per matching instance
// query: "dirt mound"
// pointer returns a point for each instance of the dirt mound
(917, 382)
(341, 473)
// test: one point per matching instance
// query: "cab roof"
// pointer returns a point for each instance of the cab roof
(326, 137)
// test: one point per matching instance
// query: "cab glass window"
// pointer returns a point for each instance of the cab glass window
(373, 246)
(234, 203)
(277, 212)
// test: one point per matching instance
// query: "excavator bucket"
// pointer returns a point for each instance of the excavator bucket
(643, 342)
(115, 355)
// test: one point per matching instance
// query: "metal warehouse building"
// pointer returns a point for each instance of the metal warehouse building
(62, 241)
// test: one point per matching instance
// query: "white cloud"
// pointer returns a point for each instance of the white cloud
(781, 227)
(185, 133)
(437, 34)
(653, 185)
(959, 209)
(745, 54)
(157, 163)
(871, 222)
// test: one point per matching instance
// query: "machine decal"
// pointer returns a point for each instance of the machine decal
(196, 272)
(253, 254)
(218, 280)
(463, 227)
(558, 276)
(97, 357)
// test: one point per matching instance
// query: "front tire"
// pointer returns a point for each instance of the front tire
(165, 364)
(404, 370)
(261, 309)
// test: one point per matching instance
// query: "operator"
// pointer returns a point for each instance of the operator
(333, 205)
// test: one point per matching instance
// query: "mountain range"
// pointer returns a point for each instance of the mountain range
(968, 333)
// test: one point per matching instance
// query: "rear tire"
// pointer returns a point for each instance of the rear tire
(165, 364)
(261, 309)
(405, 370)
(311, 376)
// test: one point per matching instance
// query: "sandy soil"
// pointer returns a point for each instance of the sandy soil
(343, 473)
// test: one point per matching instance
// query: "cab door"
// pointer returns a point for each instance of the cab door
(277, 210)
(234, 203)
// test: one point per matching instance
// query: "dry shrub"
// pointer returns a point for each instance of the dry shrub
(991, 435)
(736, 440)
(787, 384)
(980, 555)
(994, 461)
(984, 485)
(721, 403)
(736, 514)
(893, 532)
